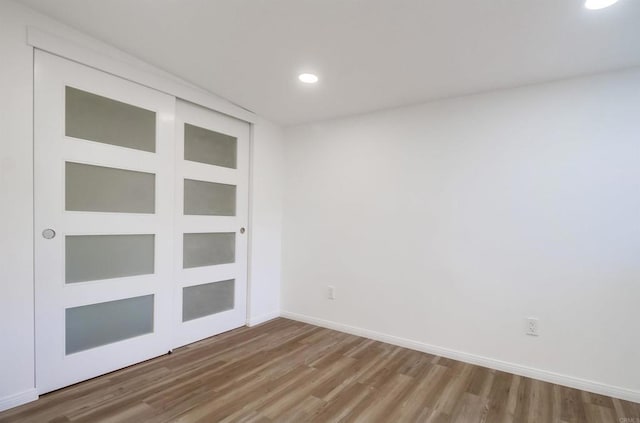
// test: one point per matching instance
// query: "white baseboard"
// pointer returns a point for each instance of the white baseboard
(18, 399)
(546, 376)
(253, 321)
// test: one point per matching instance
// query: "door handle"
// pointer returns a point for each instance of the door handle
(48, 233)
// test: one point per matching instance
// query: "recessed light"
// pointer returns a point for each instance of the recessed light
(308, 78)
(598, 4)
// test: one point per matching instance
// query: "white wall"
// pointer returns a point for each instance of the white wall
(16, 209)
(16, 204)
(444, 225)
(267, 183)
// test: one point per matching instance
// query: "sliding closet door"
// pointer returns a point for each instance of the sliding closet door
(212, 192)
(104, 198)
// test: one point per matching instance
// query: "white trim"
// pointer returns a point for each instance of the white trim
(249, 229)
(544, 375)
(64, 48)
(263, 318)
(18, 399)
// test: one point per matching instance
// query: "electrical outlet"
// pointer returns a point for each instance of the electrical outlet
(331, 292)
(533, 326)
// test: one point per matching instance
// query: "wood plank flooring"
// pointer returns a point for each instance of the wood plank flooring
(287, 371)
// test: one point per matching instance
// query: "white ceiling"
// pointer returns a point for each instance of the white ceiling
(369, 54)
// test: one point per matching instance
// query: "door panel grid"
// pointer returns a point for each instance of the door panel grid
(75, 200)
(109, 281)
(212, 165)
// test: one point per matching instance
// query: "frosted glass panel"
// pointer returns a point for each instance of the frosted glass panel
(93, 257)
(105, 189)
(99, 324)
(208, 249)
(209, 198)
(210, 147)
(96, 118)
(205, 300)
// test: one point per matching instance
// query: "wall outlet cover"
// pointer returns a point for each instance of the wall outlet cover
(533, 326)
(331, 292)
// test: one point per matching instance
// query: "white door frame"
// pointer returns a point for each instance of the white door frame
(164, 82)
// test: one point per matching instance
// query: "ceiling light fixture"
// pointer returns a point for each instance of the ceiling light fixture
(598, 4)
(308, 78)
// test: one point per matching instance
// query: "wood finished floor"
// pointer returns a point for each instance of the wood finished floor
(287, 371)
